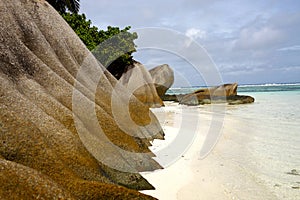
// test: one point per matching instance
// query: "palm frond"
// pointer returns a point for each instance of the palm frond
(63, 5)
(72, 5)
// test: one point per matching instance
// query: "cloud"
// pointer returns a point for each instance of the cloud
(257, 35)
(195, 33)
(251, 38)
(290, 48)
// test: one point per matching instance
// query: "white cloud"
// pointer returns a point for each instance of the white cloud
(251, 38)
(258, 33)
(290, 48)
(195, 33)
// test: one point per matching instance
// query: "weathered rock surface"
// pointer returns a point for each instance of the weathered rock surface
(138, 80)
(163, 78)
(222, 90)
(51, 118)
(21, 182)
(226, 93)
(239, 99)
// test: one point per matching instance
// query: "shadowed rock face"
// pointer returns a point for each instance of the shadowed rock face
(62, 117)
(163, 78)
(138, 80)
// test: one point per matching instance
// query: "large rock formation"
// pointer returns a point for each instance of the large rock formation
(138, 80)
(163, 78)
(226, 93)
(202, 96)
(222, 90)
(67, 128)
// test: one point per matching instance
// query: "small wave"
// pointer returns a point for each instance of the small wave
(270, 84)
(267, 87)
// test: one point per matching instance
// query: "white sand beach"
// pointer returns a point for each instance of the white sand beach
(234, 169)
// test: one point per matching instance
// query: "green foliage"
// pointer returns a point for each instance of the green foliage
(113, 47)
(63, 5)
(83, 28)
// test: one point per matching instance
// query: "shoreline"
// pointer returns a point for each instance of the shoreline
(228, 172)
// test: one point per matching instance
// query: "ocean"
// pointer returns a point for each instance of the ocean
(271, 137)
(270, 87)
(263, 142)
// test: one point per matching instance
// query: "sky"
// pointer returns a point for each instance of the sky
(249, 42)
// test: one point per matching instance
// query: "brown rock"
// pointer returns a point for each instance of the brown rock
(225, 90)
(222, 90)
(163, 78)
(52, 116)
(21, 182)
(226, 93)
(138, 80)
(239, 99)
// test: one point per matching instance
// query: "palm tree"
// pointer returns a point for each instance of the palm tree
(63, 5)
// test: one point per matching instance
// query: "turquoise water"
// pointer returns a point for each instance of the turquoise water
(267, 136)
(271, 137)
(245, 88)
(269, 88)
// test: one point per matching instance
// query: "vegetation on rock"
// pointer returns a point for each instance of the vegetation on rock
(113, 47)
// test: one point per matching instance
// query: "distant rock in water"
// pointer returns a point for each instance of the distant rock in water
(222, 90)
(138, 80)
(226, 93)
(163, 78)
(294, 172)
(68, 130)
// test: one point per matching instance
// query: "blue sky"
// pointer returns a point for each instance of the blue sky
(255, 41)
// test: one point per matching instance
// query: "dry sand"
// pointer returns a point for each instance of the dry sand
(220, 175)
